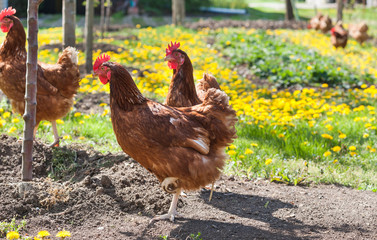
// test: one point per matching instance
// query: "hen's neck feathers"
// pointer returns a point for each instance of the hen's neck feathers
(13, 46)
(123, 90)
(183, 82)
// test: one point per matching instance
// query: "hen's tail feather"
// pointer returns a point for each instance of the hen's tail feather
(208, 81)
(70, 52)
(69, 81)
(216, 105)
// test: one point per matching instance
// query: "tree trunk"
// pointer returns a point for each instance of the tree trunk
(108, 13)
(102, 21)
(31, 90)
(89, 13)
(69, 23)
(289, 10)
(178, 12)
(339, 15)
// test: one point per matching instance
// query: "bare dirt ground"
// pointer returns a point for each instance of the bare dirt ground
(110, 196)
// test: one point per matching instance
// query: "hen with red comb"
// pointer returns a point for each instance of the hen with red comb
(7, 12)
(101, 59)
(172, 47)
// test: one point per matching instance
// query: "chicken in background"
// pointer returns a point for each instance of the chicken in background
(339, 35)
(314, 22)
(325, 24)
(183, 147)
(359, 32)
(57, 83)
(182, 90)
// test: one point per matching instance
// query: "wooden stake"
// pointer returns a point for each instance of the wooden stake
(31, 90)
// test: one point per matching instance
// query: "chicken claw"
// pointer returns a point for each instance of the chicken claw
(172, 213)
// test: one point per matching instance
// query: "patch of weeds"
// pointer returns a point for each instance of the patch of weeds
(195, 237)
(6, 227)
(287, 177)
(63, 163)
(164, 237)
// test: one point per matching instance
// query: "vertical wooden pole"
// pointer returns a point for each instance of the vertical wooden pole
(339, 12)
(89, 13)
(69, 23)
(31, 89)
(102, 20)
(108, 12)
(178, 12)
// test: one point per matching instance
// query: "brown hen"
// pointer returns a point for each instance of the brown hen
(184, 147)
(57, 84)
(339, 35)
(359, 32)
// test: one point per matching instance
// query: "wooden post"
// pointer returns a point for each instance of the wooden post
(31, 89)
(69, 23)
(89, 13)
(339, 14)
(289, 10)
(108, 12)
(102, 21)
(178, 12)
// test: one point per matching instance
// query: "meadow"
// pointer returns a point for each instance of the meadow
(313, 120)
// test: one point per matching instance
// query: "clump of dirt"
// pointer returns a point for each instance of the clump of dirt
(257, 24)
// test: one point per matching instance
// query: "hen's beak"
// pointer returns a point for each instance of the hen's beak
(169, 58)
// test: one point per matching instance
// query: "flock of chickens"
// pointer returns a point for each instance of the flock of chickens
(339, 35)
(182, 142)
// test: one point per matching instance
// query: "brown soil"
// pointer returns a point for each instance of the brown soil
(110, 196)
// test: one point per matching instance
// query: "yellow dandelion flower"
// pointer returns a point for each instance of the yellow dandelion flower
(86, 116)
(232, 152)
(138, 26)
(1, 110)
(15, 120)
(77, 114)
(325, 85)
(81, 138)
(372, 150)
(352, 148)
(59, 121)
(353, 153)
(342, 136)
(13, 235)
(327, 136)
(268, 161)
(6, 115)
(254, 144)
(336, 149)
(43, 234)
(364, 86)
(232, 146)
(309, 68)
(105, 104)
(327, 153)
(335, 161)
(241, 156)
(281, 135)
(365, 135)
(67, 137)
(12, 129)
(63, 234)
(249, 151)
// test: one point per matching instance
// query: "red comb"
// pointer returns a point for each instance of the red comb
(7, 12)
(172, 47)
(100, 60)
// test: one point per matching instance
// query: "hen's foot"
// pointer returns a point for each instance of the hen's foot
(170, 216)
(54, 144)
